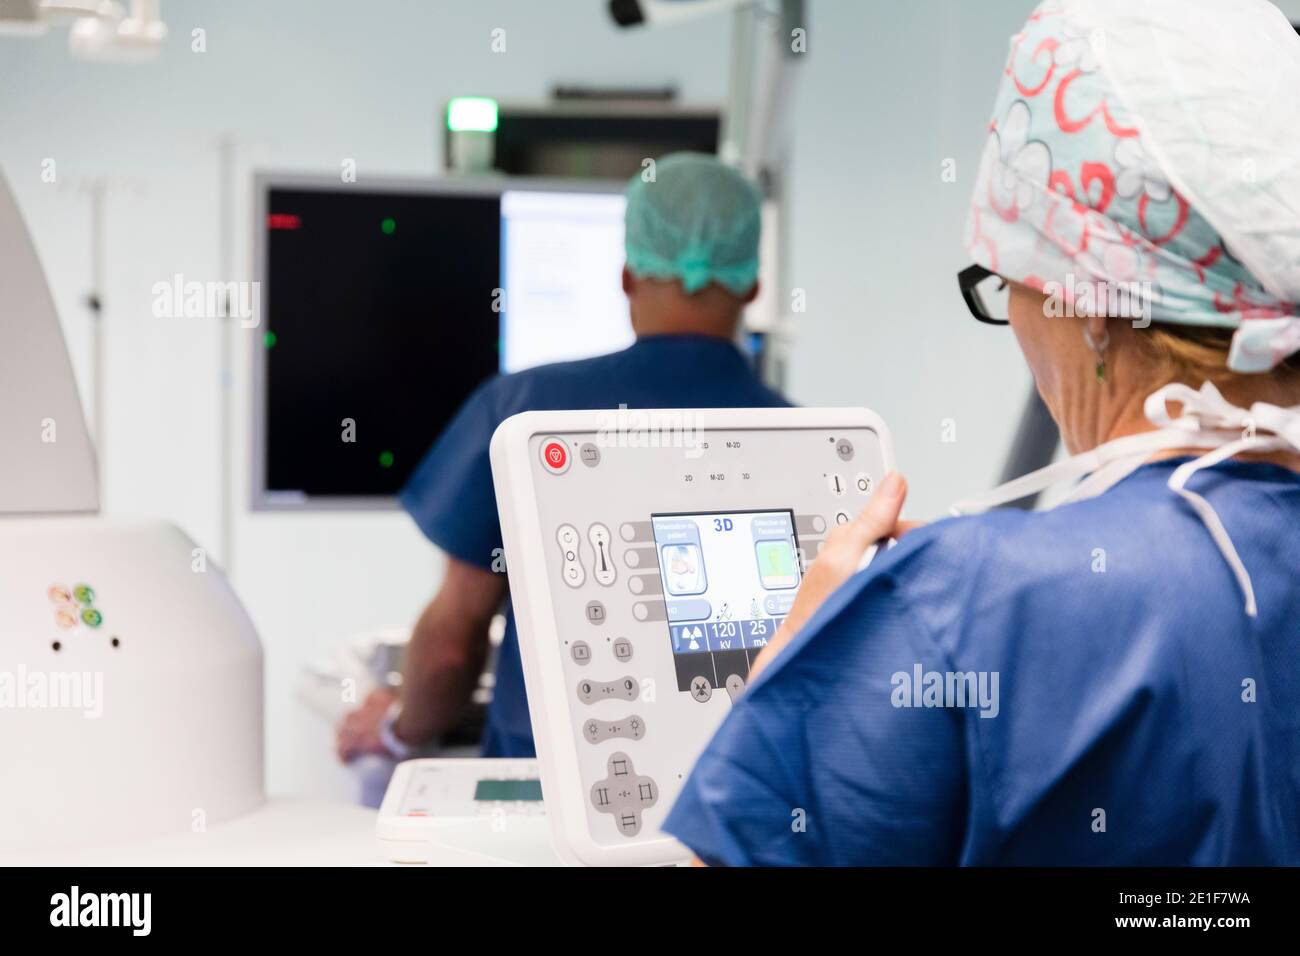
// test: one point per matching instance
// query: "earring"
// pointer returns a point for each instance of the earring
(1100, 349)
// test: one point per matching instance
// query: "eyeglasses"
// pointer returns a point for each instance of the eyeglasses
(986, 294)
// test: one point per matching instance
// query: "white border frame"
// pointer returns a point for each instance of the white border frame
(539, 640)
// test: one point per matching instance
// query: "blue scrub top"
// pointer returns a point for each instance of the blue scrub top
(450, 494)
(1141, 716)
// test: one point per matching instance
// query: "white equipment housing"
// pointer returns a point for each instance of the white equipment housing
(151, 717)
(467, 812)
(652, 554)
(130, 676)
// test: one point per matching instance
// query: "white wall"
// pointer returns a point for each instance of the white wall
(888, 91)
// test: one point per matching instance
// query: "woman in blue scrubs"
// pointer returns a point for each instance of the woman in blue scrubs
(1116, 680)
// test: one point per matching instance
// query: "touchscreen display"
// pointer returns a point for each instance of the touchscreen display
(729, 579)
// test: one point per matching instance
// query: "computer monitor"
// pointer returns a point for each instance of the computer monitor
(385, 303)
(561, 257)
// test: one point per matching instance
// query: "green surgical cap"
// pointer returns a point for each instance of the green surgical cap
(697, 221)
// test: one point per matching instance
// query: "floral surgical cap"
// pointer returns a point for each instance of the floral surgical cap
(1152, 147)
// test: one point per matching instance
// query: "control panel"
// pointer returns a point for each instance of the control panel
(494, 803)
(652, 556)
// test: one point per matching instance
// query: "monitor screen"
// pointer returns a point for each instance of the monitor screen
(729, 580)
(378, 323)
(383, 307)
(561, 259)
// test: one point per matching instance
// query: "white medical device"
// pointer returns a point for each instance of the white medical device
(130, 676)
(652, 555)
(465, 811)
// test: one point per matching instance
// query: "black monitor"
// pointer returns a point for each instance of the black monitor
(383, 305)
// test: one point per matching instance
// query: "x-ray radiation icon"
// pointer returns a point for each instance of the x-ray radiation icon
(687, 638)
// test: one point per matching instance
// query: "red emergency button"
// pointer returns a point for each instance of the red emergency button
(555, 456)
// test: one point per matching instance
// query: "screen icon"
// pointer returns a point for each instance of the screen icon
(683, 568)
(776, 567)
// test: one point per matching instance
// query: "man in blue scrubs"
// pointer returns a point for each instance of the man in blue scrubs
(692, 229)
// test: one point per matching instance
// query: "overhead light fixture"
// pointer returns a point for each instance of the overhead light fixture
(112, 34)
(101, 29)
(21, 18)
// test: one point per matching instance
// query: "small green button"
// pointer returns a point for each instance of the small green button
(91, 617)
(84, 594)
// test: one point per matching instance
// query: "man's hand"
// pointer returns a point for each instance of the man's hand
(839, 558)
(358, 733)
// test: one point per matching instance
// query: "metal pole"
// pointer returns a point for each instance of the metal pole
(227, 331)
(95, 302)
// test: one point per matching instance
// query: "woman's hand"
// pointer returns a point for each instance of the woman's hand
(839, 558)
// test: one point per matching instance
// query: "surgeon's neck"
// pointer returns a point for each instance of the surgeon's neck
(1095, 413)
(660, 307)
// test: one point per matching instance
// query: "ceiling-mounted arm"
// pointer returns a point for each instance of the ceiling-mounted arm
(762, 52)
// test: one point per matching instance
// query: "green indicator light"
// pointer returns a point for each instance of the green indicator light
(466, 114)
(269, 340)
(385, 459)
(389, 226)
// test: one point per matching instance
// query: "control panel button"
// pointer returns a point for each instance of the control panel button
(571, 570)
(589, 454)
(701, 689)
(555, 455)
(581, 652)
(623, 649)
(735, 685)
(835, 482)
(637, 531)
(844, 448)
(842, 517)
(624, 794)
(630, 728)
(863, 484)
(625, 688)
(595, 612)
(602, 565)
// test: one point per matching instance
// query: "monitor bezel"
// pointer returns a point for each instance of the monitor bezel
(262, 499)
